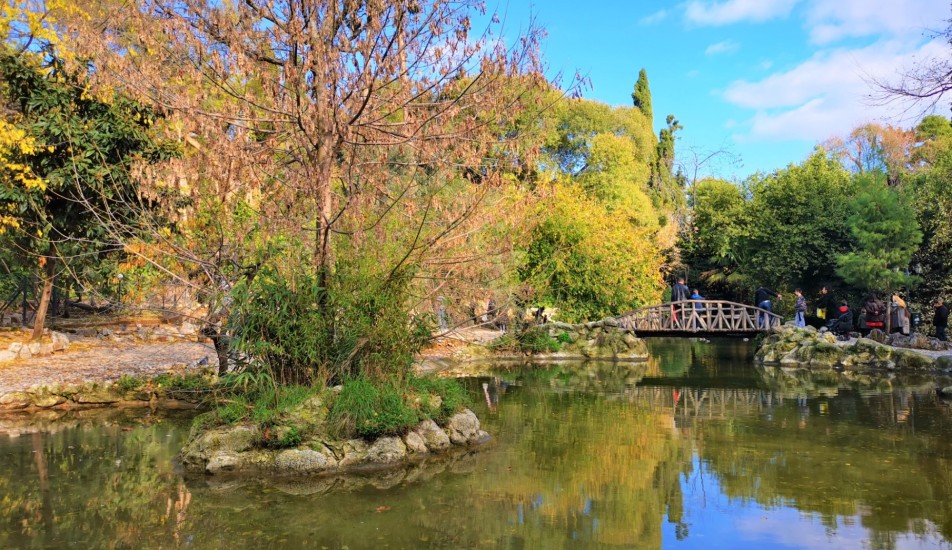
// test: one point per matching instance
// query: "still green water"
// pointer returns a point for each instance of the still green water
(694, 449)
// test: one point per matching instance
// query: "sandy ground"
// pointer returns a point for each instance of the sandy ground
(91, 359)
(102, 361)
(444, 343)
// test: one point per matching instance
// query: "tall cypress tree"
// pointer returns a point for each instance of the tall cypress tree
(641, 97)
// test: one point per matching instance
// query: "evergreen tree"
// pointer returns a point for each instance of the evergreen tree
(886, 234)
(641, 97)
(662, 180)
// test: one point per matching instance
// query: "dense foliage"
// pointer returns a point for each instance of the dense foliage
(870, 214)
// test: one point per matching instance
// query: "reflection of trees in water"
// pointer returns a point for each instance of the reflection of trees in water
(851, 455)
(675, 357)
(568, 376)
(586, 455)
(101, 480)
(605, 470)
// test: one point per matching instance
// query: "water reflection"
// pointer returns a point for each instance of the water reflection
(91, 479)
(694, 448)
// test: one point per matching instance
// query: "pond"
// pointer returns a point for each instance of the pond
(695, 448)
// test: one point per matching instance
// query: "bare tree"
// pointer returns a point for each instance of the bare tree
(926, 83)
(340, 122)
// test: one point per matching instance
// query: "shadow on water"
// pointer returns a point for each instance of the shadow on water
(694, 448)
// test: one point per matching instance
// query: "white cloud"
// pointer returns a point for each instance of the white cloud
(766, 64)
(832, 20)
(825, 94)
(654, 18)
(726, 46)
(704, 12)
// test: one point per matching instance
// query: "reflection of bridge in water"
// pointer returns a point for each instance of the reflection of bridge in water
(699, 316)
(700, 403)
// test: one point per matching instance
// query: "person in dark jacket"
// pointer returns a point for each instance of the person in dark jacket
(679, 292)
(843, 324)
(826, 305)
(875, 312)
(941, 319)
(762, 298)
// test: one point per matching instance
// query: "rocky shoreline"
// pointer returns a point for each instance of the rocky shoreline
(236, 449)
(599, 340)
(97, 394)
(806, 347)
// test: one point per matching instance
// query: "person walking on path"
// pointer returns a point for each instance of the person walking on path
(679, 293)
(941, 319)
(800, 309)
(762, 298)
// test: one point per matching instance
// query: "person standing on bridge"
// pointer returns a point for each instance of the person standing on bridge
(762, 298)
(698, 308)
(679, 293)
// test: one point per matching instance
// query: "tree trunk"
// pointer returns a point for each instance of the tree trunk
(222, 342)
(44, 304)
(888, 317)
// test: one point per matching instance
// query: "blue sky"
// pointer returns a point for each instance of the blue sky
(764, 79)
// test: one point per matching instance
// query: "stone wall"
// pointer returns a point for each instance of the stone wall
(27, 349)
(806, 347)
(99, 394)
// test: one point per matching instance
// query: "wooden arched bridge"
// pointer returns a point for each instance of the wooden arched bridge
(700, 316)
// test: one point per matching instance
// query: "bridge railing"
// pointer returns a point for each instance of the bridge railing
(700, 316)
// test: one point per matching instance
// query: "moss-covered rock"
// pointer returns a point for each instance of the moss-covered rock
(97, 395)
(793, 347)
(826, 354)
(911, 360)
(944, 362)
(15, 400)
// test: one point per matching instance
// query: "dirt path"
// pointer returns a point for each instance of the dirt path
(102, 361)
(93, 359)
(444, 344)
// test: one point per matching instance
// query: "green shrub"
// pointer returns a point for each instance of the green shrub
(564, 338)
(291, 438)
(451, 392)
(370, 410)
(185, 383)
(533, 339)
(246, 380)
(129, 383)
(356, 324)
(232, 411)
(537, 340)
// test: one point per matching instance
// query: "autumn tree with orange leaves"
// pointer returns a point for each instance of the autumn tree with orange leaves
(348, 145)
